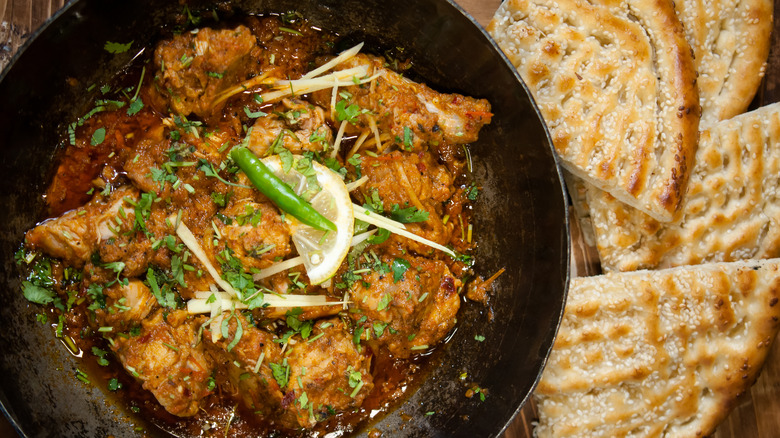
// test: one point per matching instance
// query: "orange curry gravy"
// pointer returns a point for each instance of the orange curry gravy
(119, 277)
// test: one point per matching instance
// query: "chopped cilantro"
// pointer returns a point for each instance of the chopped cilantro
(135, 106)
(208, 168)
(408, 215)
(356, 161)
(399, 267)
(37, 294)
(408, 136)
(98, 137)
(114, 384)
(112, 47)
(384, 301)
(380, 237)
(281, 373)
(164, 295)
(101, 355)
(379, 328)
(472, 192)
(253, 114)
(348, 113)
(238, 335)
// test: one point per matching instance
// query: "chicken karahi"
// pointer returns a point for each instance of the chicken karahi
(263, 231)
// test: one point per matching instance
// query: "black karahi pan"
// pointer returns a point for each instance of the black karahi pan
(520, 221)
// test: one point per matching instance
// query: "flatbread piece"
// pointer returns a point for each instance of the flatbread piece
(731, 40)
(732, 210)
(658, 353)
(615, 82)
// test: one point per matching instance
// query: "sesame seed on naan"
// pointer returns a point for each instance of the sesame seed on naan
(732, 211)
(731, 40)
(658, 353)
(615, 82)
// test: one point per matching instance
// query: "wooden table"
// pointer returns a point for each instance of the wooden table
(757, 414)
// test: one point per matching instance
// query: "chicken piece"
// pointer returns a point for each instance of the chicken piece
(407, 313)
(401, 180)
(327, 374)
(148, 154)
(412, 114)
(301, 124)
(237, 363)
(126, 305)
(76, 235)
(256, 235)
(167, 358)
(405, 180)
(193, 68)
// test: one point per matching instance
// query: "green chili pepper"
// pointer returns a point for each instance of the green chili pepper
(278, 192)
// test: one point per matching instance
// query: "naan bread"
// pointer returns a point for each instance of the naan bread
(615, 82)
(731, 40)
(658, 353)
(732, 210)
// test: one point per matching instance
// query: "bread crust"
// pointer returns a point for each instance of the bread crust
(616, 84)
(658, 353)
(731, 40)
(732, 211)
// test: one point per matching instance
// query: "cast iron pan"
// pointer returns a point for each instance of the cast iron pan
(521, 220)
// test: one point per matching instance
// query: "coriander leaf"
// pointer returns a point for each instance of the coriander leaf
(41, 274)
(399, 268)
(253, 114)
(101, 355)
(281, 373)
(37, 294)
(384, 302)
(239, 333)
(408, 136)
(360, 227)
(465, 259)
(95, 293)
(135, 106)
(355, 378)
(177, 270)
(356, 161)
(209, 170)
(408, 215)
(472, 192)
(357, 334)
(114, 384)
(303, 400)
(112, 47)
(98, 137)
(379, 328)
(334, 165)
(165, 297)
(348, 113)
(380, 237)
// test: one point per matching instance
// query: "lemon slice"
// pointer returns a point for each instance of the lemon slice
(322, 251)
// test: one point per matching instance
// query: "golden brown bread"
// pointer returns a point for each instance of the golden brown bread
(732, 210)
(615, 82)
(731, 40)
(658, 353)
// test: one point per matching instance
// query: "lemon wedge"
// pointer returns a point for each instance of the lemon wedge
(322, 251)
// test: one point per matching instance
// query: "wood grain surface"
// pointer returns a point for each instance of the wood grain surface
(757, 415)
